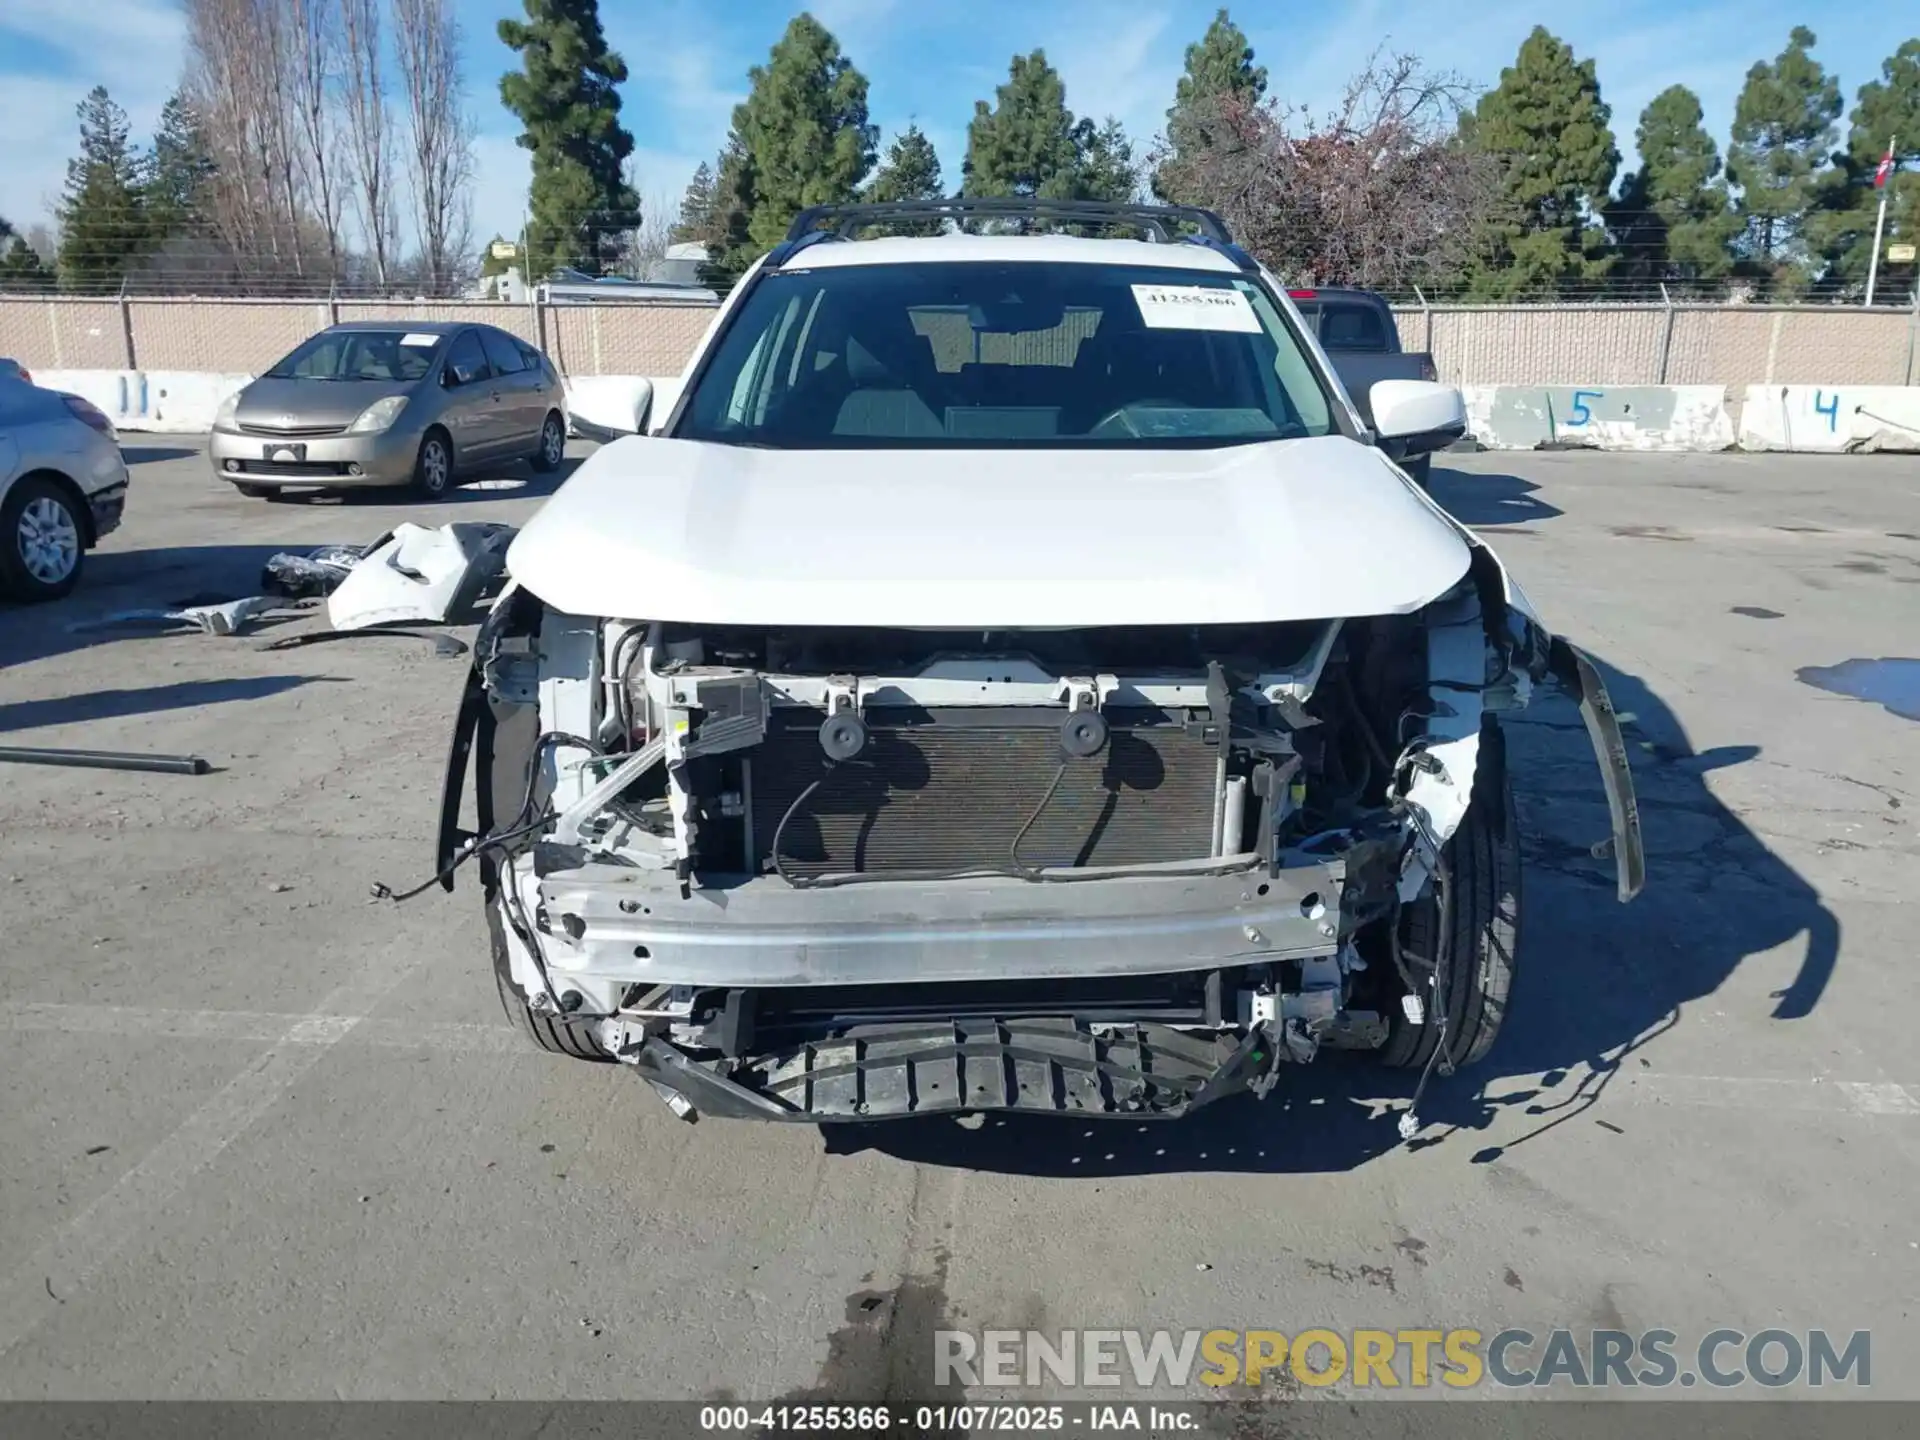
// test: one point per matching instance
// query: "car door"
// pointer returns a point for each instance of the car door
(520, 396)
(471, 411)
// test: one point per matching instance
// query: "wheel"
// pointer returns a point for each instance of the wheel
(257, 492)
(1484, 858)
(553, 1033)
(42, 540)
(433, 469)
(553, 444)
(1419, 470)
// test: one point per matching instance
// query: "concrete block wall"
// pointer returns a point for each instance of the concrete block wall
(1601, 417)
(1835, 419)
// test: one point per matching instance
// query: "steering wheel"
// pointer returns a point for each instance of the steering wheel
(1119, 413)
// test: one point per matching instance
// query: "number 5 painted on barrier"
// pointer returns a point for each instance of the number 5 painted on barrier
(1581, 414)
(1831, 409)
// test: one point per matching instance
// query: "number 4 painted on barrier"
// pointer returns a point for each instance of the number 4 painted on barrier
(1831, 409)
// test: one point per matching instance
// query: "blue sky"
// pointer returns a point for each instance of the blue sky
(928, 60)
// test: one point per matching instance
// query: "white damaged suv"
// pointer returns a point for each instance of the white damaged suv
(1012, 677)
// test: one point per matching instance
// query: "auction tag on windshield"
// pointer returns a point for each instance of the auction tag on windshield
(416, 338)
(1195, 307)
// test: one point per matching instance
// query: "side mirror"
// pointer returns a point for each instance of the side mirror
(605, 407)
(1406, 409)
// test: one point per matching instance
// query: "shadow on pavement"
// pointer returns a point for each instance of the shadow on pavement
(1598, 981)
(183, 695)
(507, 482)
(1477, 497)
(148, 454)
(166, 577)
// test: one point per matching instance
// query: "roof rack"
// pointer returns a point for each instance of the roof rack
(1161, 222)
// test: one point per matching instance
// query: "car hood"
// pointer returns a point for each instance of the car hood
(271, 404)
(657, 529)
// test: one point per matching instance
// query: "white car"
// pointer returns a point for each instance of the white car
(1011, 677)
(63, 485)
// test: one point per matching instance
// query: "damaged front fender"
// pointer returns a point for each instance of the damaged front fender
(1577, 672)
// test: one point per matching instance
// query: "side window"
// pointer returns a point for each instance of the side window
(533, 358)
(466, 361)
(1352, 327)
(502, 353)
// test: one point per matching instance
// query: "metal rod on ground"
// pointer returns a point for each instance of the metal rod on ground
(105, 760)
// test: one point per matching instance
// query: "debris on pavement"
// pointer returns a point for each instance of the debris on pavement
(105, 760)
(315, 573)
(420, 575)
(230, 617)
(446, 646)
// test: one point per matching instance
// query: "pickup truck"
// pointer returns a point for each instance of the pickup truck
(1356, 329)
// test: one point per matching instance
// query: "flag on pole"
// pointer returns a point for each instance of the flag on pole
(1884, 170)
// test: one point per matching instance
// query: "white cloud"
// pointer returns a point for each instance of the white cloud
(133, 47)
(1125, 68)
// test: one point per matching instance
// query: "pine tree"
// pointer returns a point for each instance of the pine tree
(730, 248)
(21, 268)
(804, 123)
(582, 208)
(1219, 65)
(1025, 143)
(1549, 128)
(1674, 221)
(177, 174)
(103, 223)
(911, 171)
(1783, 127)
(696, 208)
(1107, 171)
(1885, 112)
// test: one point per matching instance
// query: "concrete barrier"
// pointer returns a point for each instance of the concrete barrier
(1600, 417)
(184, 402)
(168, 402)
(1833, 419)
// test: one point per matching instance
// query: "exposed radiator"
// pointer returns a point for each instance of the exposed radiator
(949, 790)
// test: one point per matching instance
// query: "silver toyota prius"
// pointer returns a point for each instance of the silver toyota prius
(375, 403)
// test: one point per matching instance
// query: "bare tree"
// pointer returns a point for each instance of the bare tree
(646, 245)
(427, 44)
(369, 140)
(313, 36)
(226, 79)
(1379, 192)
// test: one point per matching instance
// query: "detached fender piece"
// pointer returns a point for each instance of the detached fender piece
(1581, 676)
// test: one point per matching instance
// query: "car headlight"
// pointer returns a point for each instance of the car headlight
(378, 416)
(223, 417)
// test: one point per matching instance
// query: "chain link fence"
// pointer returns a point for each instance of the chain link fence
(1561, 344)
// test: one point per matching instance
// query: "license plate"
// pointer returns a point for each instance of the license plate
(286, 454)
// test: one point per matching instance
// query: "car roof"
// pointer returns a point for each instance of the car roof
(1030, 249)
(418, 327)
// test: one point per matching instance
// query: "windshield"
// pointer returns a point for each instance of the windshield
(968, 354)
(361, 355)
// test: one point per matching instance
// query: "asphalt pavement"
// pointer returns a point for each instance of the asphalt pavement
(265, 1137)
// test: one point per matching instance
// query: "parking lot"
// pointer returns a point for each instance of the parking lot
(267, 1137)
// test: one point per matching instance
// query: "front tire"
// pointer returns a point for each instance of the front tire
(42, 540)
(553, 444)
(433, 467)
(1484, 920)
